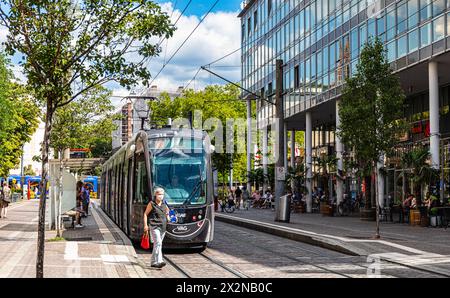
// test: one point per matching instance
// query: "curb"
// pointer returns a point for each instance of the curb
(315, 240)
(292, 234)
(125, 240)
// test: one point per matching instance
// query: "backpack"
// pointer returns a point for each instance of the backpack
(6, 195)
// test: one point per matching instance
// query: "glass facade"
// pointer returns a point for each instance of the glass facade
(320, 41)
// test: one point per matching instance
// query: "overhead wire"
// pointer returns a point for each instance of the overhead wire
(184, 42)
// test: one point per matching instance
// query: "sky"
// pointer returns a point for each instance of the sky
(217, 36)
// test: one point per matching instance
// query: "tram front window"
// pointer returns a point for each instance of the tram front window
(181, 174)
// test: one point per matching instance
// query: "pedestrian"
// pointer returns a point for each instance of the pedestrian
(238, 194)
(245, 197)
(156, 215)
(5, 199)
(86, 199)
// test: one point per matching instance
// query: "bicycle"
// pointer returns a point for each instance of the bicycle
(228, 206)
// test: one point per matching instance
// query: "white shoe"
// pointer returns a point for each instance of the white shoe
(79, 226)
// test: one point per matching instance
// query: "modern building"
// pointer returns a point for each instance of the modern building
(320, 41)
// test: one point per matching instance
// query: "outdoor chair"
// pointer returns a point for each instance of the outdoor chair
(384, 213)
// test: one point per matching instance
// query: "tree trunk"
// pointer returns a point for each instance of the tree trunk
(43, 198)
(58, 215)
(368, 192)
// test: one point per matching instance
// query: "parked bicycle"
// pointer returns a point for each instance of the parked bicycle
(347, 206)
(228, 206)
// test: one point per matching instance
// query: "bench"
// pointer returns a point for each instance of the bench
(71, 214)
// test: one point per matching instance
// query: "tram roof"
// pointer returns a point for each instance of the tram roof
(169, 132)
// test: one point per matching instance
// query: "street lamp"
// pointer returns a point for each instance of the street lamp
(142, 110)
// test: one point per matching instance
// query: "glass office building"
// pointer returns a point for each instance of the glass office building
(320, 41)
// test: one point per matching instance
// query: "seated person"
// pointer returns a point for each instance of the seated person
(175, 189)
(256, 199)
(78, 212)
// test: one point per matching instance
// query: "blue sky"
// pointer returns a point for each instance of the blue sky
(200, 7)
(216, 37)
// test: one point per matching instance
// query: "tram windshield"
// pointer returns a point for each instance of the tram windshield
(180, 169)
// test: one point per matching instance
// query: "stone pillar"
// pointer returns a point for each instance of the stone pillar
(434, 113)
(339, 151)
(249, 142)
(264, 158)
(293, 157)
(308, 145)
(293, 148)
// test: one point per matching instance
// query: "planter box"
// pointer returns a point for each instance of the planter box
(15, 197)
(326, 210)
(414, 217)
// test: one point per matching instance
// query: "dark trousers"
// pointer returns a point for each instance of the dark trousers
(86, 207)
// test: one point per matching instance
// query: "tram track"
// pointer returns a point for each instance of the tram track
(295, 259)
(179, 267)
(336, 272)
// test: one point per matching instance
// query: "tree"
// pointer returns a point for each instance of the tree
(220, 102)
(70, 47)
(422, 173)
(28, 171)
(18, 119)
(84, 123)
(371, 109)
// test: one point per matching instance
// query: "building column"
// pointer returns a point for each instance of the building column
(339, 151)
(264, 157)
(434, 113)
(249, 142)
(308, 145)
(293, 148)
(293, 157)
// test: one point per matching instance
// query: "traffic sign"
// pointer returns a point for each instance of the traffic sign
(281, 173)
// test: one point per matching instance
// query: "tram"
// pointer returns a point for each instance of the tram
(179, 161)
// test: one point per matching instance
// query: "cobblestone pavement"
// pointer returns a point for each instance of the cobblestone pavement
(241, 252)
(418, 247)
(91, 251)
(433, 240)
(101, 250)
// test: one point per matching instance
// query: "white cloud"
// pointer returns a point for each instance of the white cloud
(3, 33)
(217, 36)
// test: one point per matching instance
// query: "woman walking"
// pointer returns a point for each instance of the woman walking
(5, 199)
(156, 215)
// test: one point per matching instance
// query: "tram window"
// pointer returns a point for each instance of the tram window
(141, 189)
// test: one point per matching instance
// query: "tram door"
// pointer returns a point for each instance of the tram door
(120, 198)
(129, 194)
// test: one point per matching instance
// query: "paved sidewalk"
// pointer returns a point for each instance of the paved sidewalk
(98, 249)
(417, 247)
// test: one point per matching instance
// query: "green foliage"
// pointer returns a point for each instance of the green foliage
(85, 123)
(72, 47)
(417, 161)
(371, 108)
(219, 102)
(28, 171)
(18, 119)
